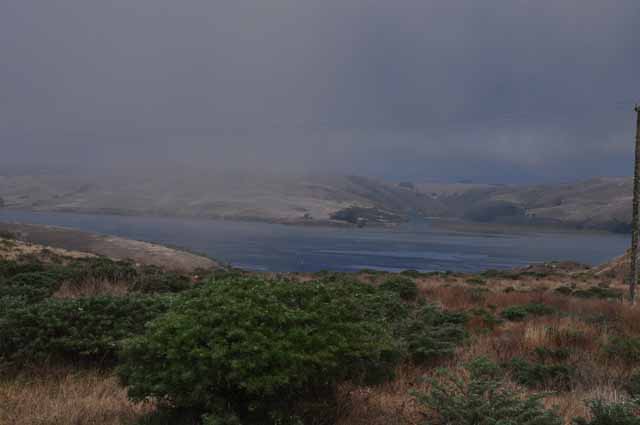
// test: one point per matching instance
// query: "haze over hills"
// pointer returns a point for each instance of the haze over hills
(602, 203)
(265, 198)
(599, 203)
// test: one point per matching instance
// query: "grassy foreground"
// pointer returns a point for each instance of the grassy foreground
(559, 332)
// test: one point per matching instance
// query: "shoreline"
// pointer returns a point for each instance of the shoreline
(444, 223)
(115, 247)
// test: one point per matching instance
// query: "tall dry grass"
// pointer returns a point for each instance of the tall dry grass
(67, 397)
(578, 329)
(92, 288)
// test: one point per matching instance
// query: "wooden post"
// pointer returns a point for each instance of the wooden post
(633, 277)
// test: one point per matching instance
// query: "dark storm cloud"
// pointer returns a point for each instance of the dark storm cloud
(493, 90)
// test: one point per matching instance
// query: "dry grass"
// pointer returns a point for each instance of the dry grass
(67, 397)
(387, 404)
(11, 249)
(597, 376)
(92, 288)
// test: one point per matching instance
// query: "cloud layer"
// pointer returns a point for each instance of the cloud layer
(498, 90)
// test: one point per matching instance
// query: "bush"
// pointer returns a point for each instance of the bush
(476, 281)
(10, 268)
(633, 385)
(431, 333)
(406, 288)
(152, 279)
(500, 274)
(624, 348)
(611, 414)
(564, 290)
(599, 293)
(551, 354)
(521, 312)
(73, 329)
(5, 234)
(412, 273)
(144, 279)
(31, 287)
(538, 375)
(162, 415)
(229, 419)
(101, 268)
(256, 348)
(481, 400)
(489, 320)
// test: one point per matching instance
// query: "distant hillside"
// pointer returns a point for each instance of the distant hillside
(309, 200)
(602, 203)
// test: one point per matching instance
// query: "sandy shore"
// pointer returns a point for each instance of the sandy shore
(109, 246)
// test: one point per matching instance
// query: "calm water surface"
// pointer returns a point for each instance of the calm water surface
(416, 245)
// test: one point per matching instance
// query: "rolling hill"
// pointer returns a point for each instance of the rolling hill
(283, 199)
(601, 203)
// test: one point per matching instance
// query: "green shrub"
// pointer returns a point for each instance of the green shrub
(144, 279)
(624, 348)
(539, 375)
(330, 276)
(5, 234)
(602, 413)
(228, 419)
(431, 333)
(485, 369)
(7, 243)
(10, 268)
(489, 319)
(523, 311)
(406, 288)
(152, 279)
(598, 292)
(515, 313)
(73, 329)
(163, 415)
(101, 268)
(32, 287)
(499, 274)
(257, 348)
(537, 274)
(482, 400)
(476, 281)
(632, 386)
(226, 273)
(412, 273)
(564, 290)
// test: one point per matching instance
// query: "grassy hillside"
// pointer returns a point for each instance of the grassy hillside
(233, 347)
(190, 194)
(603, 203)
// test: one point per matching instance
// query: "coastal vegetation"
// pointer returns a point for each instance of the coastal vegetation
(91, 340)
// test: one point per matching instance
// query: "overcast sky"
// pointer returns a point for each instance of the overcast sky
(491, 90)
